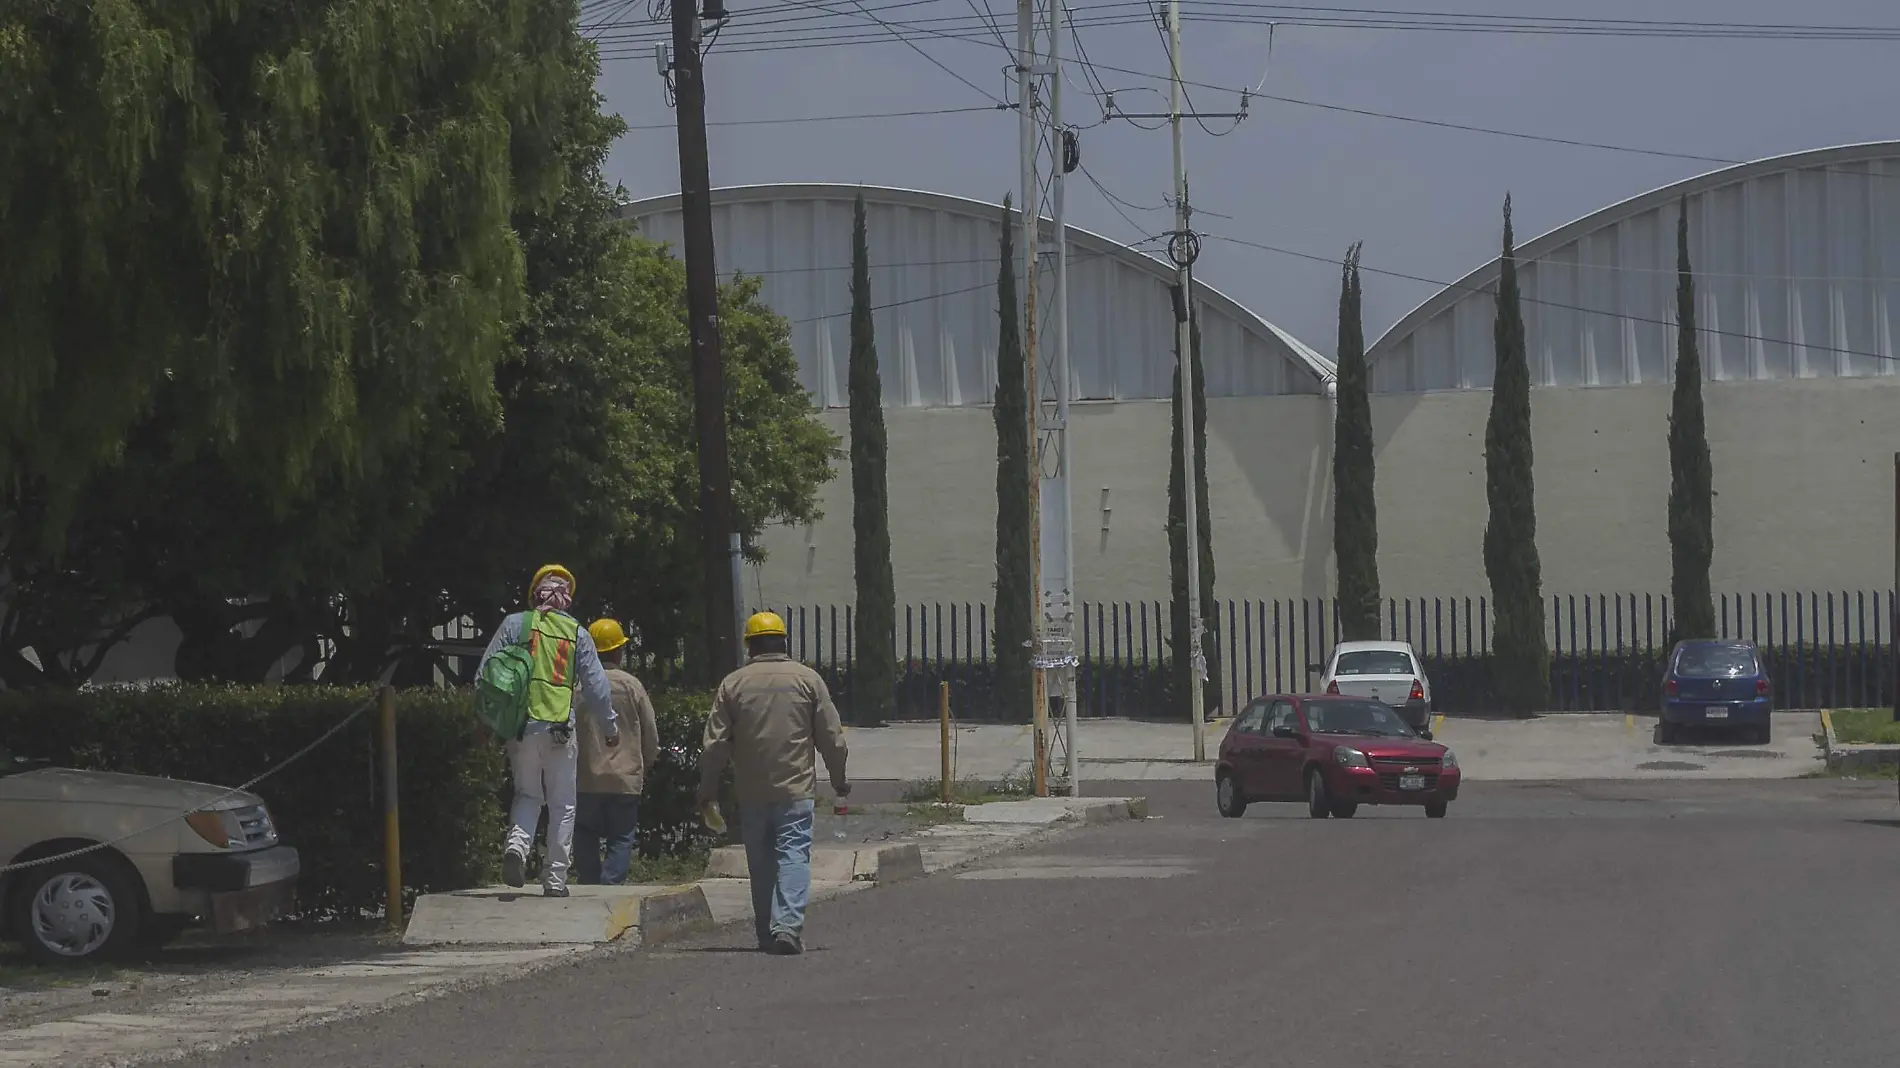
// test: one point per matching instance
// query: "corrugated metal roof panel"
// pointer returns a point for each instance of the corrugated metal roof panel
(933, 280)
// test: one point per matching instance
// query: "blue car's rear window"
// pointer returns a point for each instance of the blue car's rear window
(1715, 661)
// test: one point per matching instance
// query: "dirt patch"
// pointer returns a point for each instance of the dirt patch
(31, 993)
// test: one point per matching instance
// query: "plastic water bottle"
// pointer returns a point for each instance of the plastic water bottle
(843, 812)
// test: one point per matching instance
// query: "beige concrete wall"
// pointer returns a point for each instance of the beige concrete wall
(1803, 477)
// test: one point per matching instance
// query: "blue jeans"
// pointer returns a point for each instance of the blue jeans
(606, 821)
(778, 857)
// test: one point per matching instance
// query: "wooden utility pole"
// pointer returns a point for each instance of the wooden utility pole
(702, 314)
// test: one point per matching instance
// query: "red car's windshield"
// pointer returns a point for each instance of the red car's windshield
(1355, 717)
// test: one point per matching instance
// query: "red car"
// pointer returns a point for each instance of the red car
(1336, 753)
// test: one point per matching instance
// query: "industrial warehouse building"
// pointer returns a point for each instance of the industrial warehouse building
(1796, 264)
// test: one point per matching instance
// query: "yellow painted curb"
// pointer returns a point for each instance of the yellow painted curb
(1438, 724)
(1827, 721)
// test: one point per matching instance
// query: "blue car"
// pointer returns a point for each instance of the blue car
(1716, 684)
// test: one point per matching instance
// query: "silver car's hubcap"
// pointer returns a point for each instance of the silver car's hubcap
(73, 914)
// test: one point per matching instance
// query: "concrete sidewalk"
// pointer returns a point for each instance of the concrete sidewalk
(189, 1021)
(1558, 746)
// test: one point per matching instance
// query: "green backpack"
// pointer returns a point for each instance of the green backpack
(501, 692)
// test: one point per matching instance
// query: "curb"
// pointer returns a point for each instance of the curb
(883, 864)
(666, 916)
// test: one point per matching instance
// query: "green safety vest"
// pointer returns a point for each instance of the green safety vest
(551, 638)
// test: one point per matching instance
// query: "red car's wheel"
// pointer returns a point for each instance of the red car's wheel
(1319, 804)
(1437, 809)
(1228, 798)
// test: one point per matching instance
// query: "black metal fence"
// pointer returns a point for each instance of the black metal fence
(1823, 649)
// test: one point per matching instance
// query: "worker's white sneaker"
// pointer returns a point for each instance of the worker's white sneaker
(554, 891)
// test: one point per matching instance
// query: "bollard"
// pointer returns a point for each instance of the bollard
(392, 826)
(943, 734)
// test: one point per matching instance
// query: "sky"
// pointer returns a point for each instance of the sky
(1306, 179)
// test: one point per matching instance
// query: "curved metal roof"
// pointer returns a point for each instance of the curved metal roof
(1319, 368)
(1704, 190)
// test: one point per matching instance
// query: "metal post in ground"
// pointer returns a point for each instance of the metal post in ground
(943, 737)
(392, 823)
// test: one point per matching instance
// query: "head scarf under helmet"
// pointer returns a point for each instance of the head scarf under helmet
(552, 594)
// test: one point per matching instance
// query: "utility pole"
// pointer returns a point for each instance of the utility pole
(1031, 208)
(1183, 250)
(1893, 595)
(702, 315)
(1058, 593)
(1184, 247)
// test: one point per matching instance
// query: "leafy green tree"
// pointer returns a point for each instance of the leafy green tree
(874, 670)
(1180, 665)
(1510, 536)
(1691, 480)
(591, 462)
(1015, 597)
(1355, 506)
(287, 229)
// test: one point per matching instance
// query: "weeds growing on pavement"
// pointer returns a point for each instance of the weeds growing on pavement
(668, 870)
(1014, 787)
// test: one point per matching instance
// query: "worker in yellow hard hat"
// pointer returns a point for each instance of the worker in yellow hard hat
(565, 672)
(612, 777)
(771, 719)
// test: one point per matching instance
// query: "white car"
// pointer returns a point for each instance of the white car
(156, 874)
(1388, 672)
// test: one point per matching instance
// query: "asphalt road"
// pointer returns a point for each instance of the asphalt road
(1558, 925)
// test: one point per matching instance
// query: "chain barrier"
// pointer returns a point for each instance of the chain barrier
(232, 792)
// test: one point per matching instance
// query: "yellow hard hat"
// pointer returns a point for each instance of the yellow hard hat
(763, 624)
(556, 570)
(607, 635)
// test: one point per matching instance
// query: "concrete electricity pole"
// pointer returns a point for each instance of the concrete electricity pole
(1030, 206)
(1057, 548)
(1184, 247)
(702, 311)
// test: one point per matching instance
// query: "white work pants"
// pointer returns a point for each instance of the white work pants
(545, 772)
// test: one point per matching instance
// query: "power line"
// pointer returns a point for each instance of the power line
(989, 284)
(1738, 334)
(1413, 119)
(792, 119)
(767, 34)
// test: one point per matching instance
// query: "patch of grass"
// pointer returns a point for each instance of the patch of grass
(1866, 726)
(668, 870)
(979, 791)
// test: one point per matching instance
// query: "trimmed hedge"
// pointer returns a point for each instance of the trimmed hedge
(454, 790)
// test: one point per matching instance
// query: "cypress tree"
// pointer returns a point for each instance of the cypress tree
(874, 671)
(1180, 666)
(1015, 600)
(1691, 519)
(1355, 511)
(1519, 653)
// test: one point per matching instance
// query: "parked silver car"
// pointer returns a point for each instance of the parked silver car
(155, 875)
